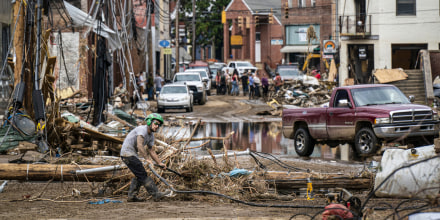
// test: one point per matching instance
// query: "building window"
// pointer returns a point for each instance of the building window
(313, 3)
(405, 7)
(301, 3)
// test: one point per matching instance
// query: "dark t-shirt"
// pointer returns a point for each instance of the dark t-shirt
(244, 80)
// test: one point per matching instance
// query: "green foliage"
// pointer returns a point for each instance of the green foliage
(209, 28)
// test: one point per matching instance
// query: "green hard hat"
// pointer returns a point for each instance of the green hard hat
(153, 116)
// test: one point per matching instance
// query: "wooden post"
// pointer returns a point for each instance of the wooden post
(18, 39)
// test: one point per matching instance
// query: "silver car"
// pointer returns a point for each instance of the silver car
(175, 96)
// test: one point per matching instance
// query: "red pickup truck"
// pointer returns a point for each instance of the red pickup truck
(364, 116)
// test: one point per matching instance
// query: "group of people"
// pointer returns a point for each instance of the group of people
(251, 84)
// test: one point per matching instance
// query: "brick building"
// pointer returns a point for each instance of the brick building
(298, 16)
(253, 32)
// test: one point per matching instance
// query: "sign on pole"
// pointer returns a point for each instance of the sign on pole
(329, 46)
(167, 50)
(164, 43)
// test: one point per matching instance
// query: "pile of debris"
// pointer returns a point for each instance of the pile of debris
(303, 93)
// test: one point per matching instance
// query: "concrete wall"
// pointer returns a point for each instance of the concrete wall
(422, 28)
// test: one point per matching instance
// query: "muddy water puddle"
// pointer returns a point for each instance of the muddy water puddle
(265, 137)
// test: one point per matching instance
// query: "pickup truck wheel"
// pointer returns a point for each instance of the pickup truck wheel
(303, 142)
(365, 141)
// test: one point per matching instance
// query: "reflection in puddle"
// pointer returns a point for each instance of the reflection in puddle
(266, 137)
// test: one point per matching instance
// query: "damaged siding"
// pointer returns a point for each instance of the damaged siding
(70, 46)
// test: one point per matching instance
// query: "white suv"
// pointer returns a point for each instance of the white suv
(194, 82)
(241, 67)
(205, 78)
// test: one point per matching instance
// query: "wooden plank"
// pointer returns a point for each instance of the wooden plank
(390, 75)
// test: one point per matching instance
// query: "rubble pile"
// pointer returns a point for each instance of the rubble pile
(303, 94)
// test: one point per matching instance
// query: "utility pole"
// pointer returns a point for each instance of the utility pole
(194, 31)
(18, 39)
(150, 72)
(164, 31)
(177, 37)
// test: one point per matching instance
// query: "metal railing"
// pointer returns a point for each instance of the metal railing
(355, 25)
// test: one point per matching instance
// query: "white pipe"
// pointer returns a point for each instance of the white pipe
(99, 169)
(240, 153)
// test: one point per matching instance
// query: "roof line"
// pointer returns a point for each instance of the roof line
(244, 2)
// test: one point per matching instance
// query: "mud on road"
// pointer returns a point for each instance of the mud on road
(76, 200)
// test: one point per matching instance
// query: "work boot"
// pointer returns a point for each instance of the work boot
(135, 186)
(151, 188)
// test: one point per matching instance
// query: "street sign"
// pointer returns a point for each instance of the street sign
(164, 43)
(167, 51)
(329, 46)
(276, 42)
(236, 40)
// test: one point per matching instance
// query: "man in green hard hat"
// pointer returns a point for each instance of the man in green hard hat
(141, 140)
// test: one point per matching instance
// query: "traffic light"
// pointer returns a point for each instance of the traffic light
(286, 11)
(257, 20)
(223, 16)
(240, 21)
(270, 17)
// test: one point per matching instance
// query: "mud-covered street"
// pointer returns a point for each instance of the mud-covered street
(70, 199)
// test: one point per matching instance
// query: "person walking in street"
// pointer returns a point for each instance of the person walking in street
(150, 87)
(257, 84)
(244, 82)
(234, 82)
(251, 86)
(158, 83)
(228, 82)
(265, 86)
(223, 81)
(217, 82)
(137, 143)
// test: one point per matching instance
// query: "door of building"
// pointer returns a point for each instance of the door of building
(257, 48)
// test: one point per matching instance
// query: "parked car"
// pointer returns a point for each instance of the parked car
(364, 116)
(194, 81)
(240, 66)
(175, 96)
(289, 72)
(205, 78)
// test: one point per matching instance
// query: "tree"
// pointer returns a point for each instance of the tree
(209, 28)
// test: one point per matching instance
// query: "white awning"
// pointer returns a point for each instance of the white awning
(298, 49)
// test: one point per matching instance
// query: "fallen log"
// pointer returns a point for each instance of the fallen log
(296, 180)
(59, 172)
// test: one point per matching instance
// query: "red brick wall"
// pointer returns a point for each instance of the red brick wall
(270, 54)
(320, 14)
